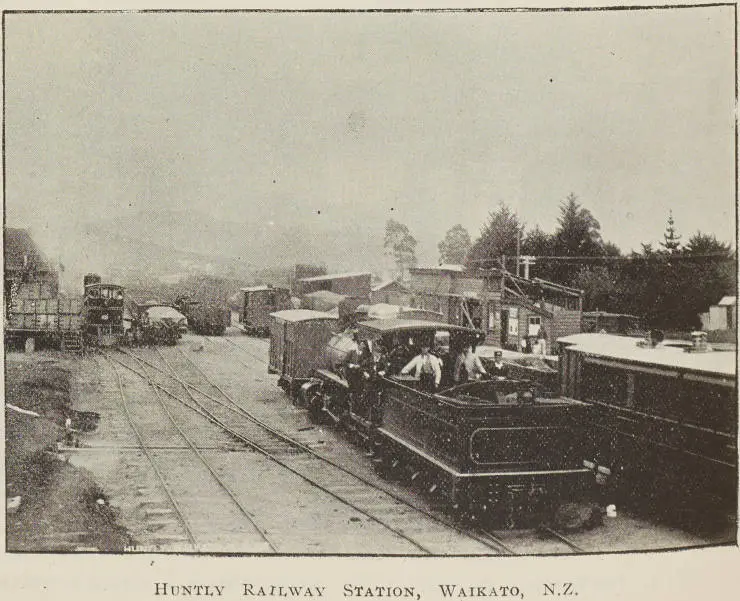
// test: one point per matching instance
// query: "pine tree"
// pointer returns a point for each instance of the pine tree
(498, 237)
(671, 241)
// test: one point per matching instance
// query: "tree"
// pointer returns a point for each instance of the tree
(671, 241)
(401, 245)
(578, 233)
(455, 246)
(706, 244)
(498, 237)
(599, 287)
(537, 243)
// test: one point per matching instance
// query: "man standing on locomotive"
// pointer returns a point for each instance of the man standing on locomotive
(427, 368)
(469, 363)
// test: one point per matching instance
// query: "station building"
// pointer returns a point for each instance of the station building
(506, 307)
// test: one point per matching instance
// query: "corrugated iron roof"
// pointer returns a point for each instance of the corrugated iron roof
(382, 285)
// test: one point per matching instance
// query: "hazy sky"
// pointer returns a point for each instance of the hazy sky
(429, 118)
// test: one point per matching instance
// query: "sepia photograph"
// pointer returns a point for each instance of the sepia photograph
(370, 283)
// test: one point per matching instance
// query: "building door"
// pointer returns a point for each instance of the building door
(472, 313)
(504, 327)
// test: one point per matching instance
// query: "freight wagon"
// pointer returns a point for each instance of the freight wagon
(209, 318)
(297, 341)
(51, 321)
(257, 304)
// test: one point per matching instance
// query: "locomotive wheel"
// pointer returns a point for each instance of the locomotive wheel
(315, 405)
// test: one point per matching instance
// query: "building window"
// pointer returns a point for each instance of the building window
(535, 323)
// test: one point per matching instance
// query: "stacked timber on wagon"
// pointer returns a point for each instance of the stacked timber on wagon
(34, 311)
(298, 338)
(210, 318)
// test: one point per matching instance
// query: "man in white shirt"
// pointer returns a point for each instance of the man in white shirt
(468, 366)
(427, 368)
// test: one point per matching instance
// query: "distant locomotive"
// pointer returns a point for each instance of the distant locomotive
(493, 447)
(102, 311)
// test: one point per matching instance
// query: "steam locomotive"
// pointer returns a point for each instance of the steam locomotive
(492, 447)
(102, 312)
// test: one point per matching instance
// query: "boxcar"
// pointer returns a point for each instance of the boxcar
(665, 421)
(257, 304)
(297, 341)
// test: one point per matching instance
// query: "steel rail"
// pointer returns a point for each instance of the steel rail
(206, 463)
(241, 348)
(486, 540)
(267, 454)
(180, 514)
(574, 547)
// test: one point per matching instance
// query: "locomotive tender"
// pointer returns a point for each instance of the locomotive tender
(491, 447)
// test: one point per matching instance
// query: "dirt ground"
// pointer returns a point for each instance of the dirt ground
(61, 507)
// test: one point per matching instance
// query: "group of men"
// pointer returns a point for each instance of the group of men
(427, 367)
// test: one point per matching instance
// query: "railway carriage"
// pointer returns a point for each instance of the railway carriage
(664, 420)
(491, 447)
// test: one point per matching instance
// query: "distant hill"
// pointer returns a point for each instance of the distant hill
(169, 243)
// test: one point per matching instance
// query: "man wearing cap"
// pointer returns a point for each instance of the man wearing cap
(498, 369)
(427, 368)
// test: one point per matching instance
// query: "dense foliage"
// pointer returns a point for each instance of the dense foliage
(668, 287)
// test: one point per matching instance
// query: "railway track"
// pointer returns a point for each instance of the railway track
(241, 348)
(495, 538)
(168, 462)
(539, 541)
(422, 530)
